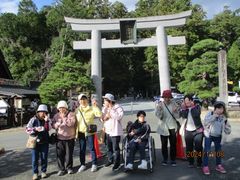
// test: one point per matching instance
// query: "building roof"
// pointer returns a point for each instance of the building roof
(19, 91)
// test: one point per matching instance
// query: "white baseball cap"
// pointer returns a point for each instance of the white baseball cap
(62, 104)
(42, 108)
(80, 96)
(109, 97)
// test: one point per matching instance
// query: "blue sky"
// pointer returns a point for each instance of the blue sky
(212, 7)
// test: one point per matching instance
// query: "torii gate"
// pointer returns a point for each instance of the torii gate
(161, 40)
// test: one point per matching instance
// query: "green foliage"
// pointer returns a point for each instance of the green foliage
(118, 10)
(200, 75)
(223, 27)
(236, 89)
(26, 7)
(65, 75)
(233, 61)
(203, 46)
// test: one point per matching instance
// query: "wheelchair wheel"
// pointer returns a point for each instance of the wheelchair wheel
(153, 151)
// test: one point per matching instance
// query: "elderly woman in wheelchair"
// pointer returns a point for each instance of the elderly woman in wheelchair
(137, 139)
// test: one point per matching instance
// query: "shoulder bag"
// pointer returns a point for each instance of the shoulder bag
(91, 128)
(31, 142)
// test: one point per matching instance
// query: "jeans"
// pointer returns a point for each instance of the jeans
(65, 154)
(82, 143)
(194, 142)
(134, 146)
(172, 138)
(109, 145)
(41, 149)
(207, 149)
(116, 149)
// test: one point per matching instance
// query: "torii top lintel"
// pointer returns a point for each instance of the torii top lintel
(87, 25)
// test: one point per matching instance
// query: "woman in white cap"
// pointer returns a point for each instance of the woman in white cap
(39, 125)
(64, 122)
(112, 117)
(85, 115)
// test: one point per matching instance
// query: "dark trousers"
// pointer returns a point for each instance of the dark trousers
(42, 150)
(172, 139)
(207, 149)
(116, 149)
(109, 145)
(134, 146)
(194, 142)
(82, 143)
(65, 154)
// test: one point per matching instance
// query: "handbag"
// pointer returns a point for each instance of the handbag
(31, 142)
(91, 128)
(53, 138)
(178, 124)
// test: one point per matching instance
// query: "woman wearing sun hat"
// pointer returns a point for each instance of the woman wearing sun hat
(39, 126)
(64, 122)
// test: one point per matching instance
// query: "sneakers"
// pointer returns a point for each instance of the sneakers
(35, 176)
(108, 163)
(173, 164)
(221, 169)
(143, 165)
(82, 168)
(129, 166)
(60, 173)
(94, 168)
(205, 170)
(116, 167)
(164, 163)
(70, 171)
(43, 175)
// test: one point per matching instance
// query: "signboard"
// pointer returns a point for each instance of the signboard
(128, 32)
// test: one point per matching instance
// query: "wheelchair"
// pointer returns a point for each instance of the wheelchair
(149, 150)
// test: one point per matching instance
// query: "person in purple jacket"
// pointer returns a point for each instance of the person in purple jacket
(39, 125)
(65, 124)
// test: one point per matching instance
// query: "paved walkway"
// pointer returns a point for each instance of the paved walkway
(16, 162)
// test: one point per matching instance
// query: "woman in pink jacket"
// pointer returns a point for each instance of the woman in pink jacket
(112, 119)
(64, 123)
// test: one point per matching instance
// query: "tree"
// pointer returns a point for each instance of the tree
(26, 6)
(67, 74)
(118, 10)
(233, 61)
(200, 75)
(222, 27)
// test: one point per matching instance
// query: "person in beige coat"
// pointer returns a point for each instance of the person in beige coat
(167, 111)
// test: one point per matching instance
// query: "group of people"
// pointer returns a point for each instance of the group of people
(71, 126)
(213, 128)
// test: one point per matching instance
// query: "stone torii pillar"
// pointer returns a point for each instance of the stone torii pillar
(161, 40)
(163, 64)
(96, 61)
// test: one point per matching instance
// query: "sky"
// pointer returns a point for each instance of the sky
(212, 7)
